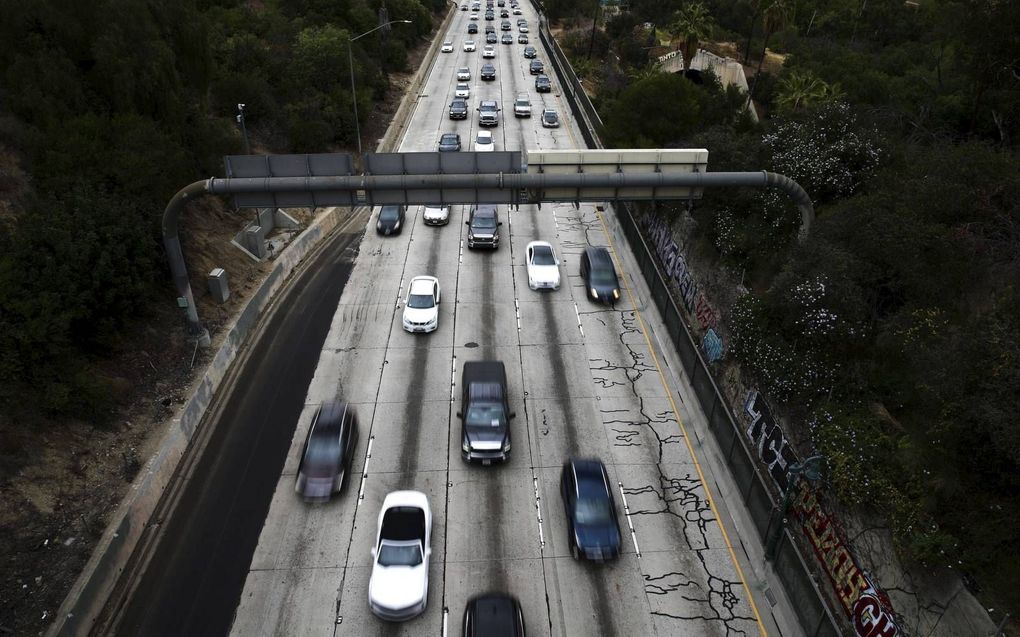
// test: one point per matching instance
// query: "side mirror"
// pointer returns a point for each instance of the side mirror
(499, 223)
(513, 414)
(460, 414)
(557, 261)
(373, 551)
(467, 223)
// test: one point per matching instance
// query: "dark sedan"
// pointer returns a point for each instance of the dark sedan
(449, 142)
(536, 67)
(599, 275)
(542, 84)
(493, 614)
(472, 28)
(458, 109)
(550, 119)
(507, 39)
(592, 525)
(329, 450)
(488, 72)
(490, 38)
(391, 220)
(530, 52)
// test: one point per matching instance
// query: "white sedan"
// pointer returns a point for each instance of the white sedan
(543, 266)
(398, 588)
(483, 142)
(447, 47)
(436, 215)
(489, 51)
(469, 45)
(463, 74)
(421, 307)
(463, 90)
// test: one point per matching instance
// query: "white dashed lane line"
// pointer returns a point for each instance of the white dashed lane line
(626, 511)
(364, 471)
(577, 313)
(538, 512)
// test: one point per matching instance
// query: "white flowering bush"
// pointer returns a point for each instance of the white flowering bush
(825, 151)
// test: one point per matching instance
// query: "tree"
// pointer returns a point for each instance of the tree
(694, 24)
(801, 89)
(774, 16)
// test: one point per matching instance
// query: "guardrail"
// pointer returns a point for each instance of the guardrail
(790, 566)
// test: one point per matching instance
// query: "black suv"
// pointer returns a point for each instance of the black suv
(483, 226)
(458, 109)
(329, 449)
(536, 67)
(599, 275)
(530, 52)
(488, 72)
(485, 419)
(472, 28)
(542, 84)
(592, 526)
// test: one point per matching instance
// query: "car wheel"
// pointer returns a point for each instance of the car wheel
(574, 551)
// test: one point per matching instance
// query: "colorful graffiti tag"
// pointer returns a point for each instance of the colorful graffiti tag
(712, 346)
(767, 437)
(867, 607)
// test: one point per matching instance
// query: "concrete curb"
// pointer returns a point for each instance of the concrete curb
(87, 597)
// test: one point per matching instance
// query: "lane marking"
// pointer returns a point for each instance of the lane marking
(453, 379)
(683, 429)
(364, 472)
(517, 311)
(460, 255)
(577, 313)
(626, 511)
(538, 512)
(446, 613)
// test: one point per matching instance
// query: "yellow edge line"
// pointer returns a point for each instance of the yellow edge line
(683, 429)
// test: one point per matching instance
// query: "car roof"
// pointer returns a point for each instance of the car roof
(494, 615)
(485, 133)
(485, 209)
(539, 244)
(590, 478)
(421, 285)
(330, 419)
(450, 136)
(598, 256)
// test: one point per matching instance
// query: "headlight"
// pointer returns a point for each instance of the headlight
(396, 225)
(506, 446)
(466, 446)
(616, 294)
(471, 235)
(595, 293)
(378, 225)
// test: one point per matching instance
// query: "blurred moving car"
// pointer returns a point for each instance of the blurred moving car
(592, 526)
(599, 275)
(543, 266)
(390, 220)
(493, 615)
(328, 452)
(449, 142)
(421, 307)
(483, 142)
(434, 215)
(550, 119)
(398, 588)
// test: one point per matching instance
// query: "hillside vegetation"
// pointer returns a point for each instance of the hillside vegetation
(891, 338)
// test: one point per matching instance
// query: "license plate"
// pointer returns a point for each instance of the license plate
(486, 461)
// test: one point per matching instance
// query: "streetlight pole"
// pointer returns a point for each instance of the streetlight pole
(350, 63)
(809, 469)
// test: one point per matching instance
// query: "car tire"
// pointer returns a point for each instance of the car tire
(574, 551)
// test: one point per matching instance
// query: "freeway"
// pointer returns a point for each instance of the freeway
(583, 380)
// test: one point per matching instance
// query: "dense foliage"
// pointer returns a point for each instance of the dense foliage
(892, 336)
(107, 109)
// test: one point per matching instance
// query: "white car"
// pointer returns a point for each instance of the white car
(421, 307)
(436, 215)
(447, 47)
(462, 90)
(483, 142)
(517, 11)
(523, 28)
(463, 74)
(543, 266)
(399, 586)
(489, 51)
(469, 45)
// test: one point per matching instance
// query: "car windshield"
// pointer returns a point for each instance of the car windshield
(408, 554)
(449, 139)
(484, 139)
(550, 115)
(389, 213)
(543, 255)
(421, 301)
(603, 277)
(593, 511)
(485, 415)
(484, 222)
(523, 103)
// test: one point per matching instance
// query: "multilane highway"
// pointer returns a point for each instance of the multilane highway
(583, 382)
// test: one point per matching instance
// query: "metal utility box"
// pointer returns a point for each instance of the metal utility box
(218, 285)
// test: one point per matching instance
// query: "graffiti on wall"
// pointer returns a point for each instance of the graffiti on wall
(712, 346)
(867, 607)
(767, 438)
(673, 262)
